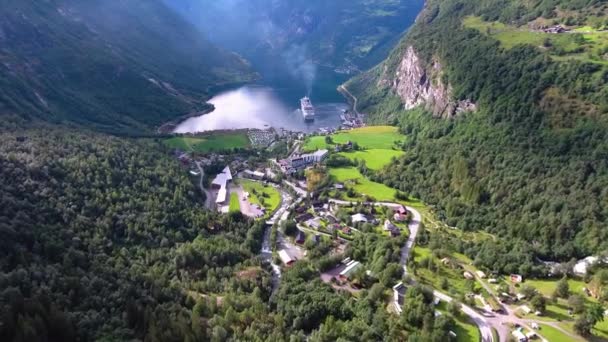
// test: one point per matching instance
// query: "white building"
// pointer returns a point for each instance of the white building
(220, 182)
(351, 267)
(358, 218)
(222, 179)
(297, 162)
(253, 174)
(582, 266)
(286, 258)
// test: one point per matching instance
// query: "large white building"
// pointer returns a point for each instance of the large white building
(220, 182)
(298, 162)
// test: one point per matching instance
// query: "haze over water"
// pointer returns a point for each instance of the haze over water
(275, 102)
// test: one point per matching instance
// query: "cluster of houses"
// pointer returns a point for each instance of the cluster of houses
(554, 29)
(298, 162)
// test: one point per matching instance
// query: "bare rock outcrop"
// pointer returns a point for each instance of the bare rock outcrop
(420, 85)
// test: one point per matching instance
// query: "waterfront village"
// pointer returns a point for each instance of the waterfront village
(315, 195)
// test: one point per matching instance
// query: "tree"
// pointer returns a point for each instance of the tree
(328, 140)
(444, 284)
(528, 291)
(576, 303)
(583, 325)
(562, 290)
(596, 313)
(454, 308)
(538, 303)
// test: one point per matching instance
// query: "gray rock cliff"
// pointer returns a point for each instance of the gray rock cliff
(420, 85)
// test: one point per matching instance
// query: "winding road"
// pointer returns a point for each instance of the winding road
(208, 198)
(343, 89)
(485, 327)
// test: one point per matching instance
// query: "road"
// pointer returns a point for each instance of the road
(414, 226)
(301, 192)
(209, 204)
(343, 89)
(266, 253)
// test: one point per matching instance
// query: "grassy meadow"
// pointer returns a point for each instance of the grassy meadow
(209, 142)
(362, 185)
(585, 44)
(375, 159)
(263, 195)
(235, 205)
(371, 137)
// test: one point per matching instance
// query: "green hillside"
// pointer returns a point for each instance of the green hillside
(531, 163)
(111, 65)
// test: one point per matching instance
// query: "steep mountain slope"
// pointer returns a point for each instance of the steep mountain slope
(521, 149)
(348, 34)
(112, 65)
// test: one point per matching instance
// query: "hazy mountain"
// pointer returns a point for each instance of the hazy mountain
(112, 65)
(342, 33)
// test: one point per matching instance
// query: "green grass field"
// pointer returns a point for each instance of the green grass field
(272, 197)
(372, 137)
(547, 286)
(363, 186)
(209, 142)
(554, 335)
(585, 46)
(235, 205)
(374, 158)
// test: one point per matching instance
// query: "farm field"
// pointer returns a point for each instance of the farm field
(235, 205)
(374, 158)
(261, 194)
(586, 45)
(362, 185)
(209, 142)
(372, 137)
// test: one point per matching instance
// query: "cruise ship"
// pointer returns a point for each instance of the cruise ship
(308, 111)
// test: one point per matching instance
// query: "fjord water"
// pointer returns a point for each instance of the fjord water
(274, 102)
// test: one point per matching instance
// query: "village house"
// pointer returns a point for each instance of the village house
(331, 218)
(257, 175)
(399, 296)
(350, 269)
(300, 237)
(356, 218)
(516, 278)
(399, 217)
(303, 217)
(286, 258)
(314, 223)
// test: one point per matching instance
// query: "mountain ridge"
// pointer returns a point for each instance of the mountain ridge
(531, 159)
(115, 66)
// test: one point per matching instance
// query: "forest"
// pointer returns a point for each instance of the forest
(530, 166)
(105, 238)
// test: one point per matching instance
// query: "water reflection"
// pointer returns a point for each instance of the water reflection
(259, 107)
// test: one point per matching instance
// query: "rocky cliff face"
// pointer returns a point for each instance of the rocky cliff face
(419, 85)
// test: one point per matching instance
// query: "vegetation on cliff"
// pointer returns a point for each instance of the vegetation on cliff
(530, 163)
